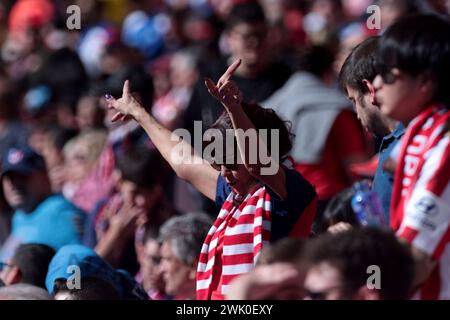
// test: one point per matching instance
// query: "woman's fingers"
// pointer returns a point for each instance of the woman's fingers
(126, 88)
(212, 88)
(116, 117)
(339, 227)
(231, 69)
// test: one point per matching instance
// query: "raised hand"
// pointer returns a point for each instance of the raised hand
(226, 90)
(127, 106)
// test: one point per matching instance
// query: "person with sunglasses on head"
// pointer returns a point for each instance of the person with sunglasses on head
(412, 87)
(257, 207)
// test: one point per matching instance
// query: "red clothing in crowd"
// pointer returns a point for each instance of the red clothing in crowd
(420, 207)
(345, 141)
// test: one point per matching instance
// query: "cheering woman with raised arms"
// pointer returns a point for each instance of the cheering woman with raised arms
(255, 208)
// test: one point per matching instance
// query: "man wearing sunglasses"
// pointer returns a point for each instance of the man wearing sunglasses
(412, 87)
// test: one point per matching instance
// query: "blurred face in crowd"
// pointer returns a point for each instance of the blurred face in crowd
(248, 41)
(138, 196)
(182, 73)
(77, 162)
(391, 11)
(151, 271)
(24, 192)
(346, 46)
(10, 273)
(327, 9)
(402, 96)
(88, 114)
(323, 282)
(179, 277)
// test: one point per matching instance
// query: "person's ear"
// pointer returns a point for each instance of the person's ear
(427, 84)
(371, 90)
(14, 276)
(364, 293)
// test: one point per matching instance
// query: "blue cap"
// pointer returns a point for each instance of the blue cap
(22, 160)
(91, 265)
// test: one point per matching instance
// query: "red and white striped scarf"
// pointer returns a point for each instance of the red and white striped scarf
(423, 136)
(233, 243)
(423, 133)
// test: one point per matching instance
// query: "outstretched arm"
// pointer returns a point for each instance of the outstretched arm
(183, 159)
(230, 96)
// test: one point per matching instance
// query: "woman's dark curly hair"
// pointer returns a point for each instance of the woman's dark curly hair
(261, 118)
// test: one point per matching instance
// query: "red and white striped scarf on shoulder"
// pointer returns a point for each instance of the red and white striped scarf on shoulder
(233, 243)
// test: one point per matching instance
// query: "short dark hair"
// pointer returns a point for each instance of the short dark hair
(339, 209)
(141, 82)
(360, 65)
(91, 288)
(247, 12)
(316, 59)
(142, 166)
(284, 250)
(352, 252)
(151, 232)
(60, 135)
(32, 261)
(261, 118)
(64, 73)
(419, 44)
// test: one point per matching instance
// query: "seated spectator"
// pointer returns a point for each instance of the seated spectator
(89, 114)
(338, 266)
(40, 216)
(28, 265)
(49, 142)
(90, 289)
(182, 238)
(81, 154)
(258, 77)
(339, 213)
(139, 201)
(89, 265)
(169, 109)
(150, 275)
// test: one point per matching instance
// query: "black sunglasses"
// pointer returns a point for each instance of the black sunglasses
(385, 71)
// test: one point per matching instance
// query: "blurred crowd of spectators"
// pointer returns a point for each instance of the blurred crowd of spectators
(101, 191)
